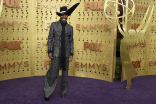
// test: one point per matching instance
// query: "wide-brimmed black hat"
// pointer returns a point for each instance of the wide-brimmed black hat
(63, 10)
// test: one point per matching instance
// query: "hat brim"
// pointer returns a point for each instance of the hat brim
(69, 11)
(58, 13)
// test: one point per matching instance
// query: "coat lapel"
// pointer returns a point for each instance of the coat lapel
(59, 26)
(67, 28)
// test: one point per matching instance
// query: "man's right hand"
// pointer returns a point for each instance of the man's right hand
(50, 55)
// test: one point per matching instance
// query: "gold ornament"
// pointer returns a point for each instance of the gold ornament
(127, 39)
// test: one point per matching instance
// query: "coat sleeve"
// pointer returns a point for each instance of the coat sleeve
(71, 43)
(50, 39)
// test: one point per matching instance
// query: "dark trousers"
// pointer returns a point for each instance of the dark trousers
(53, 73)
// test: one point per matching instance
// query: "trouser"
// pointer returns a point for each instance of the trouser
(53, 73)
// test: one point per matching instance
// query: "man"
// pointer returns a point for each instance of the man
(61, 37)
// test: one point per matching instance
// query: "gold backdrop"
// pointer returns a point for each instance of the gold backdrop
(31, 27)
(142, 54)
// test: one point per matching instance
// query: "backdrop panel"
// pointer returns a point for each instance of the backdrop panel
(16, 40)
(94, 39)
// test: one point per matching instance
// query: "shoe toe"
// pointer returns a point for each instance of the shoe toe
(63, 95)
(46, 98)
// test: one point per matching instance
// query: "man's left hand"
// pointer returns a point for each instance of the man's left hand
(71, 58)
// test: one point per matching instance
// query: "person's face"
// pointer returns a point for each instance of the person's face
(63, 18)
